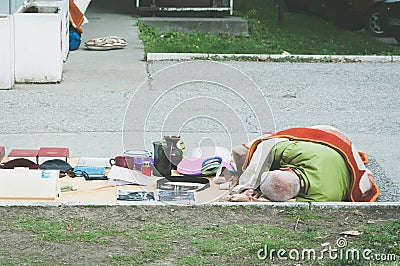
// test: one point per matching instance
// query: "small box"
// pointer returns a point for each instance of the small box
(22, 183)
(26, 154)
(47, 153)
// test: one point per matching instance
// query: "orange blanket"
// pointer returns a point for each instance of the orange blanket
(363, 186)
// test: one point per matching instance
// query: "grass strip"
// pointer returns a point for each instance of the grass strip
(299, 34)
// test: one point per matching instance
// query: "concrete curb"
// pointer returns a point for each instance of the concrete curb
(396, 58)
(29, 204)
(314, 205)
(191, 56)
(172, 56)
(84, 204)
(295, 205)
(352, 205)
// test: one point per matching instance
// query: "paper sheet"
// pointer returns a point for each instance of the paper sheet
(124, 176)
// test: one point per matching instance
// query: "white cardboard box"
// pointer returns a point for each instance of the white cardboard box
(63, 5)
(22, 183)
(6, 52)
(38, 48)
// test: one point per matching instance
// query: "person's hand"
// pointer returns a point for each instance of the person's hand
(248, 195)
(242, 198)
(249, 192)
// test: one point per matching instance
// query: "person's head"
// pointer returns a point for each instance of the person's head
(280, 185)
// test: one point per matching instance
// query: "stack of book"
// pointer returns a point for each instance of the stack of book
(46, 154)
(39, 156)
(25, 154)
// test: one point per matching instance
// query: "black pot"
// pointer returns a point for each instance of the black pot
(162, 162)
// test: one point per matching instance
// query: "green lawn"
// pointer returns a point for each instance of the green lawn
(299, 34)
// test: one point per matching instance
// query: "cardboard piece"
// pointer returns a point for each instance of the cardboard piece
(76, 17)
(82, 5)
(22, 183)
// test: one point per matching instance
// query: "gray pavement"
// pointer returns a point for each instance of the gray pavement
(85, 111)
(207, 103)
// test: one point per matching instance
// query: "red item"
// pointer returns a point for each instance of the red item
(53, 152)
(23, 153)
(146, 168)
(2, 152)
(123, 161)
(45, 154)
(26, 154)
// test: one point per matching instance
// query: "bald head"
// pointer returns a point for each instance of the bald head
(280, 185)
